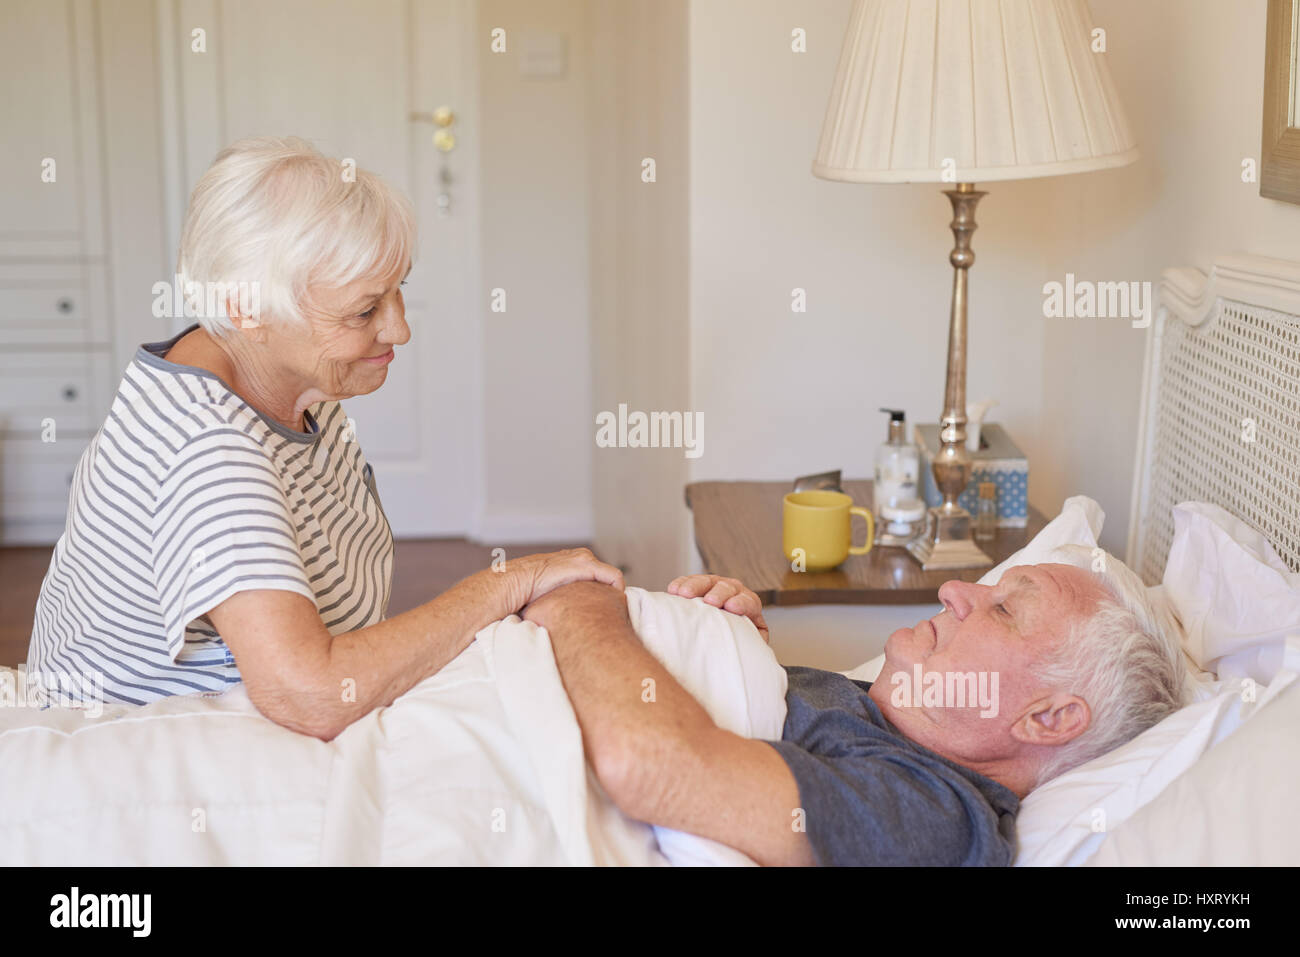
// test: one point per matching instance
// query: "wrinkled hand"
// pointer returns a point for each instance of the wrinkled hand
(535, 575)
(726, 593)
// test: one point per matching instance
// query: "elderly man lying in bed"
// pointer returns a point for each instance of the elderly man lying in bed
(871, 773)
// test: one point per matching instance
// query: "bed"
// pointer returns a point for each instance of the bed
(206, 780)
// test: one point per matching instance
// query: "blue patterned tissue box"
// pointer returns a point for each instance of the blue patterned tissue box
(998, 461)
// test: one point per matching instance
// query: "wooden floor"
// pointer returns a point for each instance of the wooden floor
(422, 568)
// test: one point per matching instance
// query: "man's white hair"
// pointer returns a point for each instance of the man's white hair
(274, 211)
(1124, 660)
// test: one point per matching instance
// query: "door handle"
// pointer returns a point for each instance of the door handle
(444, 141)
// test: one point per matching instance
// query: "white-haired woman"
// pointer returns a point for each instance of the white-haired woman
(223, 524)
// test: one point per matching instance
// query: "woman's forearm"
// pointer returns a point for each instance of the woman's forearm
(317, 684)
(373, 666)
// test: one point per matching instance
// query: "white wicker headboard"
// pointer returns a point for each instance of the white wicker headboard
(1221, 406)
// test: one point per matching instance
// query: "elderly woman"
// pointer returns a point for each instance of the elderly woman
(224, 526)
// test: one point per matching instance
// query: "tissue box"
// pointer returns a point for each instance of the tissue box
(999, 461)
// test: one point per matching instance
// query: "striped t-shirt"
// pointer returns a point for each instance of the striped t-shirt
(185, 496)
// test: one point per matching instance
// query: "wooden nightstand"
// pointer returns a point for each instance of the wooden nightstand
(738, 534)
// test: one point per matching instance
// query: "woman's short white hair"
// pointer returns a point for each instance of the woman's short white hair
(272, 218)
(1125, 660)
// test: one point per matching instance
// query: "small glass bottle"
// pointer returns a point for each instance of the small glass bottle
(986, 514)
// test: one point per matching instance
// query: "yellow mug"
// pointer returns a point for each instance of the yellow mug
(816, 529)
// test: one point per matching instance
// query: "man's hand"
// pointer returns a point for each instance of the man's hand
(726, 593)
(550, 608)
(532, 576)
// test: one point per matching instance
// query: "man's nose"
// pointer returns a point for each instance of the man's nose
(960, 597)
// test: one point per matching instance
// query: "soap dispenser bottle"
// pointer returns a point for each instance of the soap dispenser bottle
(898, 464)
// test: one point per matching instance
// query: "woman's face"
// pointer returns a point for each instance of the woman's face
(354, 330)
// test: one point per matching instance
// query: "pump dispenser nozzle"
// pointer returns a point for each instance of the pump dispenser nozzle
(897, 425)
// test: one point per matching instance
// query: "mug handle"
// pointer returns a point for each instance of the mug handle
(871, 531)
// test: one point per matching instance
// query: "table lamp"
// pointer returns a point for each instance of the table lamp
(960, 91)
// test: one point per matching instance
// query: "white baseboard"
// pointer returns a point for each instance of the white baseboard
(37, 532)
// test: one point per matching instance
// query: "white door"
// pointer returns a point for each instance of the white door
(361, 79)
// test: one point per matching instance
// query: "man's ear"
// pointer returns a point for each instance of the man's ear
(1053, 721)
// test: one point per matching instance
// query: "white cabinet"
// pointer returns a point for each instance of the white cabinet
(59, 389)
(35, 478)
(48, 71)
(55, 326)
(59, 303)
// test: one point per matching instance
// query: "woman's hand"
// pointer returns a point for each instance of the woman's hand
(726, 593)
(532, 576)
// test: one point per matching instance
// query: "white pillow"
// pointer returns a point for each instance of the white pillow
(1235, 598)
(1066, 820)
(1079, 523)
(1234, 807)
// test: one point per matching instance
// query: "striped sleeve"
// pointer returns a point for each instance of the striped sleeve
(221, 525)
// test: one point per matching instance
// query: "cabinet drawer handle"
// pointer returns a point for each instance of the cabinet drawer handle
(65, 305)
(70, 392)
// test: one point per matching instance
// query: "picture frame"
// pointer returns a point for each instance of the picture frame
(1279, 176)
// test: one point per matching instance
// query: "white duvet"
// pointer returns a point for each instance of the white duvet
(481, 763)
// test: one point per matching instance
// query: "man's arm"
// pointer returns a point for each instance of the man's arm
(653, 747)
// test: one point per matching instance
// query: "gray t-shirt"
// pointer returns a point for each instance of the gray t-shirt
(185, 496)
(871, 796)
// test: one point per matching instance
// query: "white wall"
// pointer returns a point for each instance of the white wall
(537, 379)
(640, 265)
(1192, 76)
(788, 393)
(785, 394)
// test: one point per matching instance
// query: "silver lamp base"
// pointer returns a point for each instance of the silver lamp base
(947, 542)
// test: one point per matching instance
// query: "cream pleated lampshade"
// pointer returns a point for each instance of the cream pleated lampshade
(1003, 89)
